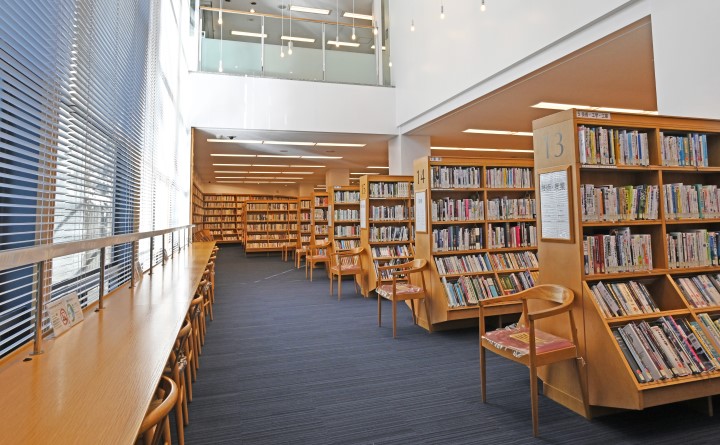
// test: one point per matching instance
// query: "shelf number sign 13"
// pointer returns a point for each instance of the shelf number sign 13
(420, 177)
(554, 145)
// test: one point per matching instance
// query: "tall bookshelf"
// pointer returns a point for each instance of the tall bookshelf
(271, 225)
(387, 228)
(344, 220)
(305, 222)
(320, 210)
(221, 217)
(480, 237)
(613, 152)
(198, 209)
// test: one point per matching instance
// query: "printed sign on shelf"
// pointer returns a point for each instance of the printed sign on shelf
(65, 312)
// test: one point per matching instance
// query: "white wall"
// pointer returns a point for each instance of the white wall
(453, 61)
(686, 48)
(229, 101)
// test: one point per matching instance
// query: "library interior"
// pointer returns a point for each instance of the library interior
(359, 221)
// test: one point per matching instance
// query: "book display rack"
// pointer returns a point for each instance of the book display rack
(639, 248)
(480, 237)
(320, 210)
(305, 222)
(271, 225)
(344, 220)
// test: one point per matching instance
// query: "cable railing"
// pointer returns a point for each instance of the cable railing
(27, 282)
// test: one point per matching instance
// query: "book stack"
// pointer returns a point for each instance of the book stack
(461, 209)
(321, 201)
(698, 248)
(399, 250)
(688, 150)
(346, 196)
(691, 201)
(388, 233)
(624, 298)
(623, 203)
(386, 274)
(345, 244)
(700, 290)
(463, 264)
(446, 177)
(514, 260)
(346, 231)
(469, 290)
(507, 208)
(712, 327)
(509, 177)
(619, 251)
(389, 189)
(346, 215)
(607, 146)
(389, 213)
(456, 238)
(511, 235)
(517, 281)
(665, 348)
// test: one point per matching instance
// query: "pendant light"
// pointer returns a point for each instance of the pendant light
(282, 29)
(412, 25)
(442, 10)
(353, 22)
(375, 31)
(337, 24)
(220, 15)
(290, 43)
(220, 22)
(482, 6)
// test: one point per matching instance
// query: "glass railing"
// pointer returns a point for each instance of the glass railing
(268, 46)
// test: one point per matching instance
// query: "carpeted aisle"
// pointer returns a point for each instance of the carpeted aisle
(286, 363)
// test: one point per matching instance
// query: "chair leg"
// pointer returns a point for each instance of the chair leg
(394, 315)
(179, 417)
(412, 306)
(379, 311)
(339, 286)
(189, 378)
(312, 266)
(427, 314)
(331, 283)
(534, 398)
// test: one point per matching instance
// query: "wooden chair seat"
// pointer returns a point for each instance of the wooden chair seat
(527, 344)
(345, 262)
(317, 257)
(386, 290)
(316, 253)
(402, 289)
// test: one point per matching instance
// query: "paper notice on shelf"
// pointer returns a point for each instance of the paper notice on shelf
(64, 312)
(363, 214)
(420, 212)
(555, 205)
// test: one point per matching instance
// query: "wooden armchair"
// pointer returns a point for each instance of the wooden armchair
(403, 289)
(345, 262)
(317, 253)
(155, 427)
(528, 345)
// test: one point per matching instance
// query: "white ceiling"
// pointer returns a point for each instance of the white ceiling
(617, 71)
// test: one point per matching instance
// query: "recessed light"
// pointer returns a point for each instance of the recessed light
(233, 165)
(307, 166)
(279, 156)
(353, 15)
(234, 141)
(298, 39)
(378, 167)
(249, 34)
(481, 149)
(503, 132)
(383, 48)
(309, 10)
(557, 106)
(338, 144)
(338, 43)
(321, 157)
(287, 143)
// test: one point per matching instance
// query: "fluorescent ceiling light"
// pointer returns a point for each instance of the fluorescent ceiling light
(309, 10)
(337, 43)
(235, 165)
(287, 143)
(278, 156)
(481, 149)
(353, 15)
(373, 47)
(257, 177)
(269, 165)
(556, 106)
(232, 155)
(234, 141)
(378, 167)
(273, 156)
(257, 182)
(298, 173)
(307, 166)
(321, 157)
(364, 173)
(298, 39)
(248, 34)
(511, 133)
(338, 144)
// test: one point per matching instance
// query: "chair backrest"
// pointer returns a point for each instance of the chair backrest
(152, 427)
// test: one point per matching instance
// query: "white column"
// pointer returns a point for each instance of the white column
(403, 150)
(686, 48)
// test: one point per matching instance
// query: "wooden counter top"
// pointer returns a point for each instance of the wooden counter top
(94, 383)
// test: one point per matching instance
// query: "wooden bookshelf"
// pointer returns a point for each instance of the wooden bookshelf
(320, 210)
(271, 225)
(387, 235)
(560, 142)
(222, 218)
(344, 219)
(501, 246)
(198, 208)
(305, 222)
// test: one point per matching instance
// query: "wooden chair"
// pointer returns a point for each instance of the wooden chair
(176, 369)
(528, 345)
(317, 253)
(403, 289)
(155, 427)
(299, 254)
(209, 291)
(345, 262)
(197, 317)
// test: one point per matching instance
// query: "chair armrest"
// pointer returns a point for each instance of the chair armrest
(565, 307)
(500, 300)
(396, 266)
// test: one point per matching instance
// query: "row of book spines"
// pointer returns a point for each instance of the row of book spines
(689, 150)
(390, 251)
(610, 203)
(469, 290)
(511, 208)
(623, 252)
(518, 281)
(700, 290)
(390, 212)
(699, 248)
(623, 298)
(390, 189)
(463, 264)
(507, 236)
(496, 177)
(321, 201)
(666, 348)
(346, 214)
(607, 146)
(346, 196)
(691, 201)
(347, 230)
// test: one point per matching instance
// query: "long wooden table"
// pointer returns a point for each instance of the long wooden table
(94, 383)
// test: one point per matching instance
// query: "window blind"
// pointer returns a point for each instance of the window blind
(92, 142)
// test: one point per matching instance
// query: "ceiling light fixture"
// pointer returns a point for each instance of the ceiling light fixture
(290, 43)
(502, 132)
(257, 182)
(557, 106)
(245, 172)
(233, 141)
(309, 10)
(307, 166)
(338, 144)
(248, 34)
(288, 143)
(220, 22)
(353, 15)
(353, 21)
(298, 39)
(482, 6)
(321, 157)
(232, 155)
(252, 9)
(378, 167)
(337, 24)
(364, 173)
(279, 156)
(282, 28)
(336, 43)
(481, 149)
(442, 10)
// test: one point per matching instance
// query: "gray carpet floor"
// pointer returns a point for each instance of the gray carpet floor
(286, 363)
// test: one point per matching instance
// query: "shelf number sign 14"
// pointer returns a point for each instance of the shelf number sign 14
(554, 145)
(420, 177)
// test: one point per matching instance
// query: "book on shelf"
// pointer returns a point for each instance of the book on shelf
(509, 177)
(457, 238)
(684, 150)
(609, 146)
(347, 230)
(623, 298)
(691, 201)
(388, 233)
(397, 250)
(389, 189)
(700, 290)
(618, 251)
(622, 203)
(697, 248)
(510, 235)
(446, 177)
(468, 290)
(517, 281)
(463, 264)
(341, 215)
(511, 208)
(346, 196)
(514, 260)
(460, 209)
(389, 213)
